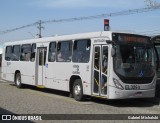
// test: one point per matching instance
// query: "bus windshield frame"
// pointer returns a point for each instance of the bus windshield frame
(134, 62)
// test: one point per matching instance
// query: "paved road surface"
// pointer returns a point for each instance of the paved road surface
(31, 100)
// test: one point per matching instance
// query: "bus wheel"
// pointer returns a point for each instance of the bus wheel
(78, 90)
(18, 80)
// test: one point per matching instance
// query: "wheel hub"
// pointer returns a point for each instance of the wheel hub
(18, 81)
(77, 90)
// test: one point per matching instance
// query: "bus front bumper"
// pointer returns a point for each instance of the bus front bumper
(127, 94)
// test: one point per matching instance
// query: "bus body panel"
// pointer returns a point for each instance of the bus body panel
(126, 94)
(27, 70)
(8, 68)
(131, 90)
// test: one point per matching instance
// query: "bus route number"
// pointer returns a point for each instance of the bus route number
(132, 87)
(76, 69)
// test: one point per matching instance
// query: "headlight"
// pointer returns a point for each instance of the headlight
(117, 84)
(154, 84)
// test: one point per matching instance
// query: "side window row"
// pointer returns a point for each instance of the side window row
(63, 51)
(24, 52)
(66, 51)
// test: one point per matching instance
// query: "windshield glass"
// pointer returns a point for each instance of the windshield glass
(134, 61)
(134, 57)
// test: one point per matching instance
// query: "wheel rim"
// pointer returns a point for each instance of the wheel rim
(77, 90)
(18, 81)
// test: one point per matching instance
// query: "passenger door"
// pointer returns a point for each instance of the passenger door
(40, 65)
(100, 70)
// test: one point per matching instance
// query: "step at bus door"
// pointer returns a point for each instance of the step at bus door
(100, 70)
(40, 65)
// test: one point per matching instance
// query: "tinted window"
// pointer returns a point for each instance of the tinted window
(42, 56)
(52, 52)
(97, 58)
(8, 53)
(16, 53)
(105, 59)
(25, 52)
(64, 51)
(81, 51)
(33, 52)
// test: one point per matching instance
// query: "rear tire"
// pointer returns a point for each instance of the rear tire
(78, 90)
(18, 80)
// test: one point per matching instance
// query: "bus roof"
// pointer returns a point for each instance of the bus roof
(66, 37)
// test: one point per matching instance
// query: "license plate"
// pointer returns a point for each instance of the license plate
(132, 87)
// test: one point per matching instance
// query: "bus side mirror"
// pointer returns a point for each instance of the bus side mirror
(113, 52)
(110, 42)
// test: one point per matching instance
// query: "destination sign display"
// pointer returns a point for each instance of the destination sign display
(133, 39)
(129, 38)
(157, 40)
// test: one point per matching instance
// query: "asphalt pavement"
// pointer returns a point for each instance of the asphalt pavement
(33, 100)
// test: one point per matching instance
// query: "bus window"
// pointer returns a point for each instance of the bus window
(96, 58)
(52, 52)
(64, 51)
(42, 56)
(33, 52)
(25, 52)
(105, 59)
(8, 53)
(16, 53)
(81, 51)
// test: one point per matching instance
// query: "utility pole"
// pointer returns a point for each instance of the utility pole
(40, 28)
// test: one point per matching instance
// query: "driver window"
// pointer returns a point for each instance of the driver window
(33, 52)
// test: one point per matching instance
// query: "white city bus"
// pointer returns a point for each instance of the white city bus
(101, 64)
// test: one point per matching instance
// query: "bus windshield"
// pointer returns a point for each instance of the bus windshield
(134, 57)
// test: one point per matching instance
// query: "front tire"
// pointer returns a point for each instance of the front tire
(78, 90)
(18, 80)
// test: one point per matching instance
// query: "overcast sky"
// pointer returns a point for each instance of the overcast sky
(16, 13)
